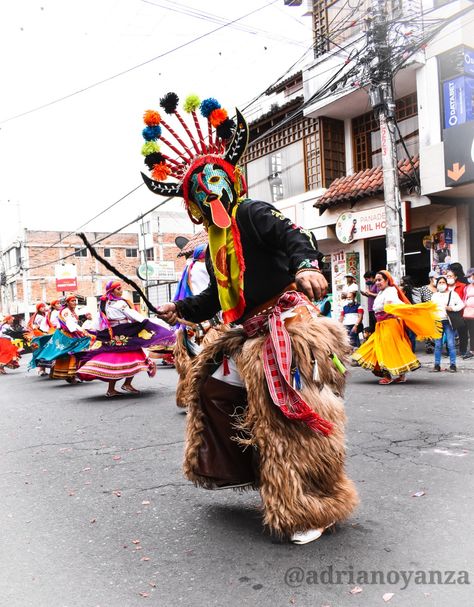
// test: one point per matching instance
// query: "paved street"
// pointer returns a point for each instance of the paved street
(95, 512)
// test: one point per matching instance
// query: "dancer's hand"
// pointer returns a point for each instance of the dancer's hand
(312, 284)
(168, 313)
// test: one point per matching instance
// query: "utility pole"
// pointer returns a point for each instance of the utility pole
(381, 98)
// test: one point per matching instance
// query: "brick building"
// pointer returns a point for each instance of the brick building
(41, 251)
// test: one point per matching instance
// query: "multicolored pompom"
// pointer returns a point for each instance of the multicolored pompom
(209, 105)
(153, 159)
(161, 171)
(191, 103)
(151, 118)
(170, 103)
(151, 133)
(217, 117)
(150, 147)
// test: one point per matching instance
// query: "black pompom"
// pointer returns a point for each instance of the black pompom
(169, 102)
(153, 159)
(226, 129)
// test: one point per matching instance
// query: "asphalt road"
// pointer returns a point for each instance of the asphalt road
(95, 512)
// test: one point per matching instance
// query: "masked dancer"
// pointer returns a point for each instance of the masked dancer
(266, 409)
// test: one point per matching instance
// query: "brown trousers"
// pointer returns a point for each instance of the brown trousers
(221, 457)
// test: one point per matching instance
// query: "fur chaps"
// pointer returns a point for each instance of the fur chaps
(302, 480)
(183, 363)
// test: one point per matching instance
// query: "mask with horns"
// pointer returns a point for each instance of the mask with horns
(205, 169)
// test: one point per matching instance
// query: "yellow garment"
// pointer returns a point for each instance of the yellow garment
(388, 350)
(228, 263)
(423, 318)
(65, 367)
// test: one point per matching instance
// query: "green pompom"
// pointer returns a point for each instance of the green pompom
(191, 103)
(150, 147)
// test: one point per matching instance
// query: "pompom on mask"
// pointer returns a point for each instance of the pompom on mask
(206, 171)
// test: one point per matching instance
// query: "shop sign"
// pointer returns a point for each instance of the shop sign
(66, 277)
(352, 226)
(157, 271)
(457, 101)
(459, 154)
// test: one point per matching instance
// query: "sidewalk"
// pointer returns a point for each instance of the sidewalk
(427, 360)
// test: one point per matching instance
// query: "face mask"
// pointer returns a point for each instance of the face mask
(369, 282)
(451, 281)
(471, 279)
(442, 288)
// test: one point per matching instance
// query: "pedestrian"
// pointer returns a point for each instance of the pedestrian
(387, 352)
(350, 286)
(9, 353)
(447, 301)
(351, 317)
(457, 282)
(117, 353)
(370, 292)
(426, 291)
(468, 312)
(265, 406)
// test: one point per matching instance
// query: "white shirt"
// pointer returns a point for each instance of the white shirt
(118, 311)
(88, 324)
(199, 277)
(353, 288)
(388, 295)
(53, 319)
(70, 320)
(441, 300)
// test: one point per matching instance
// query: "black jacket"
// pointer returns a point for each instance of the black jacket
(273, 248)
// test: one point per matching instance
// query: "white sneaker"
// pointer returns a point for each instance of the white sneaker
(305, 537)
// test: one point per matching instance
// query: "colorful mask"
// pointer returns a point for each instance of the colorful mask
(206, 172)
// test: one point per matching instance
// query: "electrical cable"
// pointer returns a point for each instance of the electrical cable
(135, 67)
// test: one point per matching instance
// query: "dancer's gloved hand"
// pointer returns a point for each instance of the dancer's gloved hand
(312, 284)
(168, 313)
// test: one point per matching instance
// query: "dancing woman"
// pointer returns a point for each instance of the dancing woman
(9, 354)
(388, 352)
(118, 350)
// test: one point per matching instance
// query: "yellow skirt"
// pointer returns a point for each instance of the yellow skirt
(388, 350)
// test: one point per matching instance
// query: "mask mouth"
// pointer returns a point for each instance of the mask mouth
(220, 217)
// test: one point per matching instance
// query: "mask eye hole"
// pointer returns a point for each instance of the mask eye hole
(198, 190)
(214, 179)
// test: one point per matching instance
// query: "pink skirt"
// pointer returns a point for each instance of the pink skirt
(111, 366)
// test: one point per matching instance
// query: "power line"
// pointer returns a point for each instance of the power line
(135, 67)
(108, 235)
(90, 220)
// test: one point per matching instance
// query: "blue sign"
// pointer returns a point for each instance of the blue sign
(458, 101)
(468, 61)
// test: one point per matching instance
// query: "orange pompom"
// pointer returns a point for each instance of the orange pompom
(217, 117)
(151, 118)
(160, 171)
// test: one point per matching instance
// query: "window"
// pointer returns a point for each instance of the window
(80, 252)
(107, 252)
(150, 254)
(366, 134)
(131, 253)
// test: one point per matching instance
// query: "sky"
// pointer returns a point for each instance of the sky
(77, 77)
